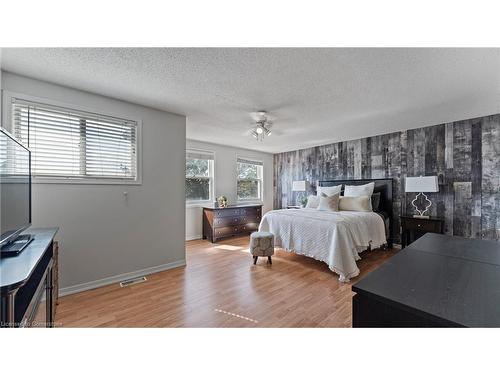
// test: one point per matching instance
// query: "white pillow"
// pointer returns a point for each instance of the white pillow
(361, 204)
(329, 203)
(359, 190)
(329, 190)
(312, 201)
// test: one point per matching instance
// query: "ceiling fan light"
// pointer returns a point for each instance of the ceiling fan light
(262, 126)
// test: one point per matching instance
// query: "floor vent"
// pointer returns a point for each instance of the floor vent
(137, 280)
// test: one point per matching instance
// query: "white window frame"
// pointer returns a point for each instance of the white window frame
(8, 96)
(261, 192)
(211, 199)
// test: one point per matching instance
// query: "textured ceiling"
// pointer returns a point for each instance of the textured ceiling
(316, 96)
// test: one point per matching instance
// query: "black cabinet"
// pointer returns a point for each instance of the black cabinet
(437, 281)
(27, 283)
(412, 228)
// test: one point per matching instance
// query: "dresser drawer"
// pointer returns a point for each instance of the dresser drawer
(249, 227)
(227, 231)
(250, 211)
(226, 212)
(250, 219)
(423, 225)
(226, 221)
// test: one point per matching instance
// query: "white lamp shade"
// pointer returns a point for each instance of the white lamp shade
(421, 184)
(299, 186)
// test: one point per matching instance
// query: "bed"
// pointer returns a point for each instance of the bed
(335, 238)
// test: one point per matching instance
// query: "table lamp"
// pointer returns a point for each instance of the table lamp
(300, 186)
(420, 185)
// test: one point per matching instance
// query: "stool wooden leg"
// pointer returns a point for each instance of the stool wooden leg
(269, 260)
(255, 260)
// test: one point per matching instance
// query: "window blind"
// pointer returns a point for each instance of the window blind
(201, 155)
(75, 144)
(248, 161)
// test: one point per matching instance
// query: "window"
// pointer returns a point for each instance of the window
(72, 144)
(249, 179)
(199, 176)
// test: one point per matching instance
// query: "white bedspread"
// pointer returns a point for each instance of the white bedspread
(335, 238)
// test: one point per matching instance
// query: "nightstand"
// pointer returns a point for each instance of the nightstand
(413, 228)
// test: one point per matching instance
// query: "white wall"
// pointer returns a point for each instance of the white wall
(225, 180)
(102, 234)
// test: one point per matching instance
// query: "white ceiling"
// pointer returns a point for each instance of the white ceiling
(317, 96)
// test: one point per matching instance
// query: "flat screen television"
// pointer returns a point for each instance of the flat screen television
(15, 188)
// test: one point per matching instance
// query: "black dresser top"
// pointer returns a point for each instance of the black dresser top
(14, 271)
(447, 278)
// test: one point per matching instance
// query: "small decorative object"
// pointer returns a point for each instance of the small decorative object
(420, 185)
(222, 201)
(301, 187)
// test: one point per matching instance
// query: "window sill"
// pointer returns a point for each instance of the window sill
(199, 204)
(87, 181)
(250, 201)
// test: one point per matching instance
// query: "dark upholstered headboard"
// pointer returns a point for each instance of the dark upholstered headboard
(383, 186)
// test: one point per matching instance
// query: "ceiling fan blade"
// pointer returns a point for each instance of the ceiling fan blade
(256, 116)
(276, 133)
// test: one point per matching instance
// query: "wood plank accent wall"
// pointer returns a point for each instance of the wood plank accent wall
(465, 155)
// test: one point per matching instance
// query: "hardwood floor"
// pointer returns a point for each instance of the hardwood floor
(220, 287)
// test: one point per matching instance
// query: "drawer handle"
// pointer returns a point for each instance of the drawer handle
(419, 225)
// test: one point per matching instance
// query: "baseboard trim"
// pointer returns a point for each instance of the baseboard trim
(118, 278)
(194, 237)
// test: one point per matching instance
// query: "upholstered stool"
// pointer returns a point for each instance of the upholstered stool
(262, 245)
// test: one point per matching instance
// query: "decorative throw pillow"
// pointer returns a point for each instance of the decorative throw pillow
(361, 204)
(312, 201)
(328, 190)
(327, 203)
(359, 190)
(375, 201)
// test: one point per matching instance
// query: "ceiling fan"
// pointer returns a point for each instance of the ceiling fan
(262, 125)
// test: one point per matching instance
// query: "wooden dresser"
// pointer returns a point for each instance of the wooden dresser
(231, 221)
